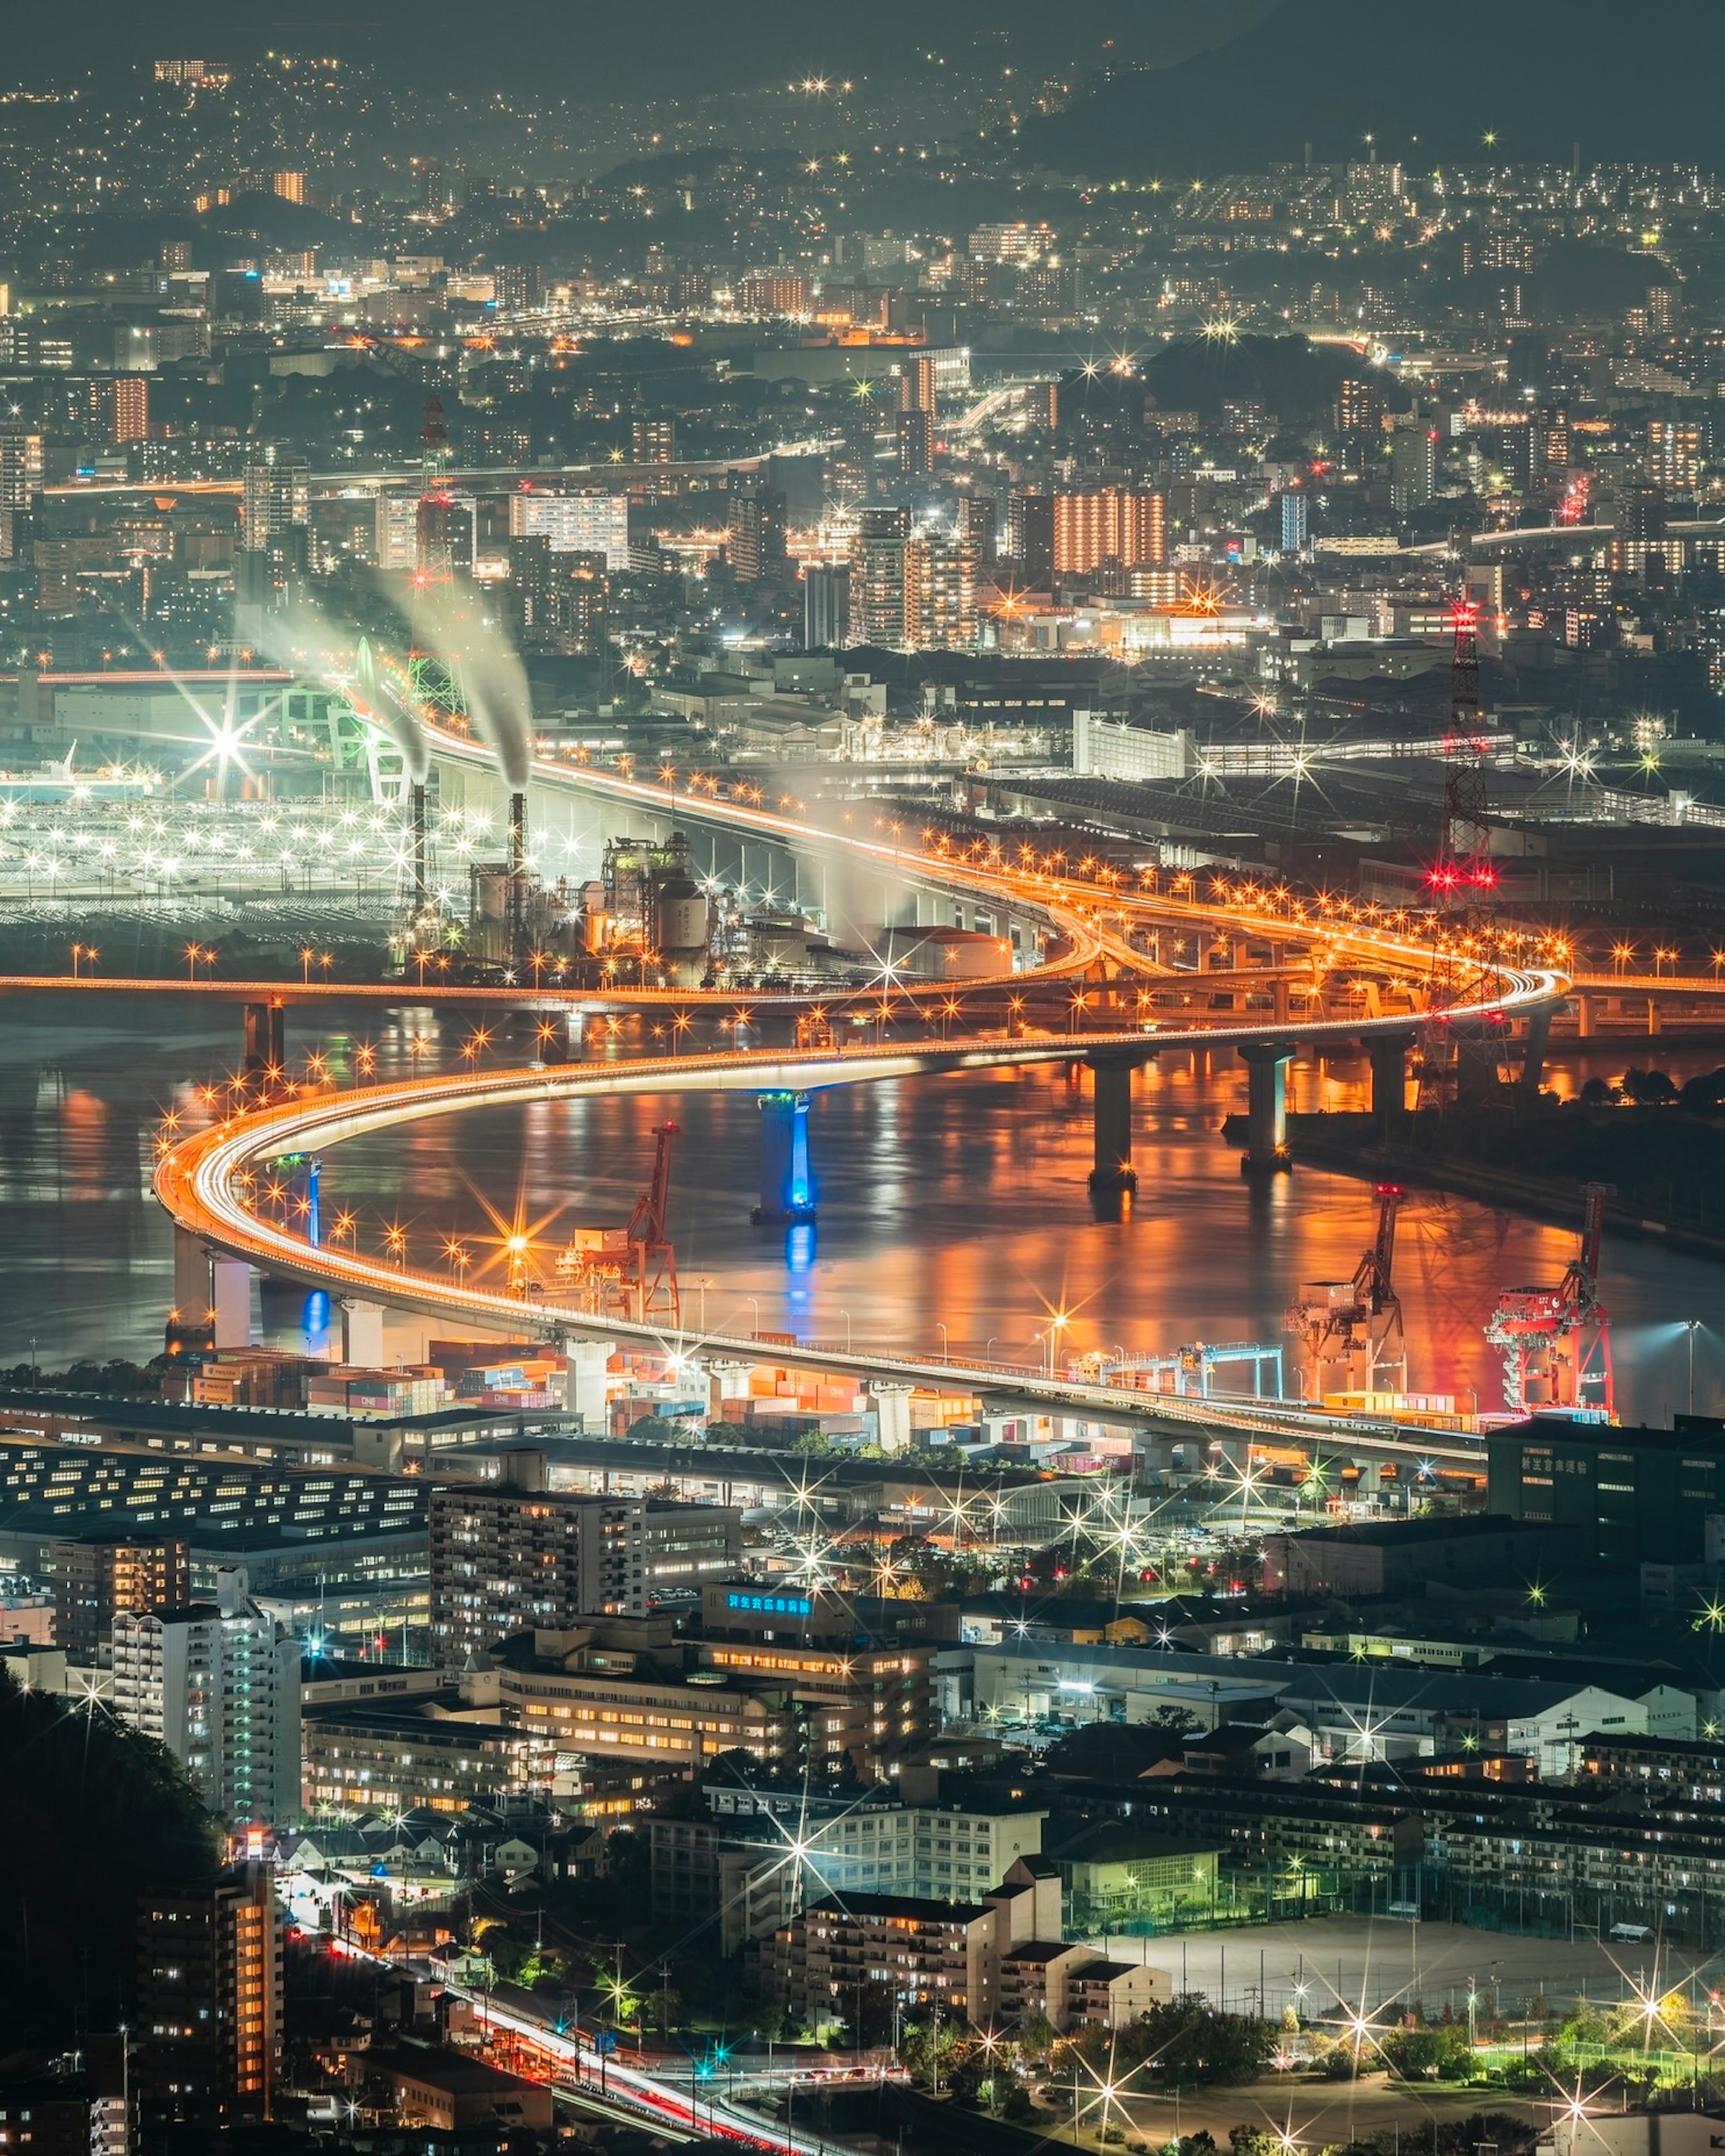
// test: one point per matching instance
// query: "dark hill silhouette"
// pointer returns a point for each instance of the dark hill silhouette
(1427, 83)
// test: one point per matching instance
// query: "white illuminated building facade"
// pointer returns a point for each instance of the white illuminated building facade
(217, 1686)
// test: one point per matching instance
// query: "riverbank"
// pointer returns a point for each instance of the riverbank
(1667, 1169)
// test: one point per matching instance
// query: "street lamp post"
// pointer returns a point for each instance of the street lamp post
(1692, 1326)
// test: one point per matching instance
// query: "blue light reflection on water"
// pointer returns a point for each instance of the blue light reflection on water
(959, 1202)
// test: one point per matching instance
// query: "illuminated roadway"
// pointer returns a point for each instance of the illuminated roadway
(198, 1183)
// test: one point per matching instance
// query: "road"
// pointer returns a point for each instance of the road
(198, 1183)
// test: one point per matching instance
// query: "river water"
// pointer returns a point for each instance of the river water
(954, 1202)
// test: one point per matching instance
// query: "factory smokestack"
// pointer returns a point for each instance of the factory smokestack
(422, 889)
(517, 876)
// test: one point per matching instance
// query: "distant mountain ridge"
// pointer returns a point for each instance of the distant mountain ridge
(1429, 85)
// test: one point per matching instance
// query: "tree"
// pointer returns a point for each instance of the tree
(1186, 2041)
(1431, 2054)
(1649, 1089)
(1703, 1094)
(1037, 2037)
(91, 1812)
(928, 2049)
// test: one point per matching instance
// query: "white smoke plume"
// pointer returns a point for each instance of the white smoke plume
(492, 677)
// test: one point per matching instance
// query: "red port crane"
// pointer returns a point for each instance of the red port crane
(1353, 1329)
(1557, 1341)
(630, 1271)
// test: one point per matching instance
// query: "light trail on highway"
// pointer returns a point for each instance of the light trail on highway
(198, 1183)
(627, 2090)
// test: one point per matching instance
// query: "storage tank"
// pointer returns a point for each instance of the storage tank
(680, 920)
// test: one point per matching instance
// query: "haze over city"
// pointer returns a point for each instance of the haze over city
(862, 1047)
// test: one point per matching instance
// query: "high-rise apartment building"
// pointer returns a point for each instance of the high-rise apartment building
(773, 292)
(216, 1684)
(653, 441)
(940, 592)
(1675, 449)
(979, 522)
(574, 523)
(916, 383)
(756, 542)
(877, 577)
(99, 1579)
(1108, 523)
(274, 500)
(210, 1991)
(125, 409)
(1361, 405)
(1295, 527)
(1030, 535)
(914, 437)
(21, 458)
(826, 608)
(1413, 468)
(507, 1559)
(1019, 243)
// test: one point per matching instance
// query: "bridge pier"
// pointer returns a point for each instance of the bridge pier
(892, 1415)
(232, 1302)
(362, 1335)
(192, 1301)
(1584, 1016)
(584, 1390)
(1386, 1054)
(1112, 1122)
(1266, 1062)
(786, 1182)
(1534, 1043)
(265, 1040)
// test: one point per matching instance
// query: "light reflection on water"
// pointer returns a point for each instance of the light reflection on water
(959, 1202)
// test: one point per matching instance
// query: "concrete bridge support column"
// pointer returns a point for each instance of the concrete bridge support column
(1279, 998)
(192, 1299)
(1534, 1043)
(892, 1416)
(787, 1179)
(1112, 1116)
(584, 1386)
(362, 1335)
(232, 1301)
(1266, 1062)
(1585, 1016)
(265, 1040)
(1386, 1054)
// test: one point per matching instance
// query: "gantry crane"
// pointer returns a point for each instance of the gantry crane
(1557, 1341)
(630, 1271)
(1352, 1329)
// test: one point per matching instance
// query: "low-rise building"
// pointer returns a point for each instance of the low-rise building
(1120, 1876)
(751, 1857)
(993, 1963)
(454, 2093)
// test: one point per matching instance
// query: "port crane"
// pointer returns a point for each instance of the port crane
(630, 1271)
(1556, 1341)
(1352, 1329)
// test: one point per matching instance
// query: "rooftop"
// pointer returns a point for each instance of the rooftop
(881, 1908)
